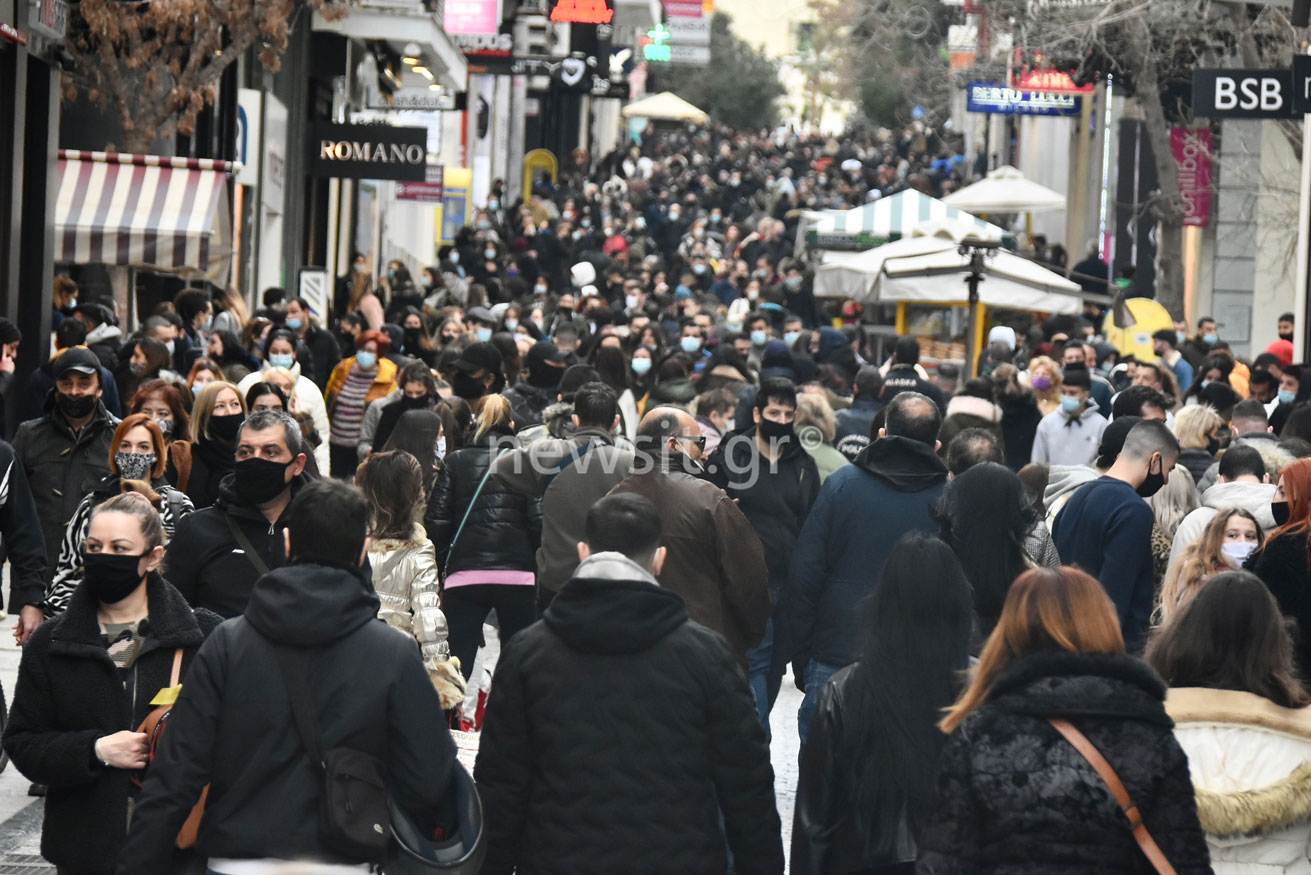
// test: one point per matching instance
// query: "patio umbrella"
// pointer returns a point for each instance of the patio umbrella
(1006, 190)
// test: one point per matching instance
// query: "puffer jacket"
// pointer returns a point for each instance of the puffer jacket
(528, 403)
(1016, 798)
(405, 578)
(1251, 765)
(966, 411)
(504, 529)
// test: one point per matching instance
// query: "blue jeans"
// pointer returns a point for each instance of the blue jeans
(817, 675)
(764, 683)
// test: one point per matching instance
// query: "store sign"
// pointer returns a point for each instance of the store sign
(655, 45)
(689, 31)
(1192, 152)
(684, 9)
(476, 17)
(249, 116)
(1243, 93)
(428, 192)
(13, 34)
(500, 45)
(273, 161)
(413, 99)
(1050, 82)
(995, 97)
(368, 152)
(582, 12)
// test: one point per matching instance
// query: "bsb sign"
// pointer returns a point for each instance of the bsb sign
(1243, 93)
(368, 152)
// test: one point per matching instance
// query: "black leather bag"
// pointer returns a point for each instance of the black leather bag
(354, 819)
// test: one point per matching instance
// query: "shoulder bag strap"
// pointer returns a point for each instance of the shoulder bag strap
(177, 668)
(450, 551)
(298, 694)
(247, 547)
(1088, 751)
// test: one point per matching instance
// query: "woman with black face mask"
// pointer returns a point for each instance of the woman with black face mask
(216, 418)
(89, 678)
(1284, 561)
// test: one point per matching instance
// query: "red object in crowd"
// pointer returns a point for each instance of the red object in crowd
(1283, 349)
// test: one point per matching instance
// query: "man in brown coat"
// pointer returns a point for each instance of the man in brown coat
(715, 561)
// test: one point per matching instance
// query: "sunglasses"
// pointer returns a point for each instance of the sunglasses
(700, 440)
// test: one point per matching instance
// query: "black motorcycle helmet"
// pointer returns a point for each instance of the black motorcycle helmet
(409, 853)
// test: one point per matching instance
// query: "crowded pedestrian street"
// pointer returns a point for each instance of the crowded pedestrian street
(655, 437)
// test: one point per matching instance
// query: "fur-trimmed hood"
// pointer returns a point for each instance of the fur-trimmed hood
(968, 405)
(1250, 760)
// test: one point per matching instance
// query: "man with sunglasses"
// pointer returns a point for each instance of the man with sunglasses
(715, 561)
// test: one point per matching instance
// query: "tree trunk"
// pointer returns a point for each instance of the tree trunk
(1167, 206)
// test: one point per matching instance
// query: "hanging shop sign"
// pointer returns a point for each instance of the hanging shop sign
(471, 17)
(368, 152)
(498, 45)
(430, 191)
(997, 98)
(1192, 152)
(1243, 93)
(582, 12)
(1050, 82)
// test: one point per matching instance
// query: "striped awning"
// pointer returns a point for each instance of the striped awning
(163, 214)
(887, 219)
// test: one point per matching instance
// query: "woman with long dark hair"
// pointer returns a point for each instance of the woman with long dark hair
(419, 433)
(1013, 794)
(868, 766)
(985, 517)
(1244, 720)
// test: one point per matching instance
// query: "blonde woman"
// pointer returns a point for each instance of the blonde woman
(486, 537)
(1045, 378)
(1197, 426)
(816, 426)
(1175, 501)
(216, 418)
(1231, 536)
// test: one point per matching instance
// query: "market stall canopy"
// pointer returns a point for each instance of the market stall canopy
(927, 266)
(888, 218)
(665, 107)
(1006, 190)
(164, 214)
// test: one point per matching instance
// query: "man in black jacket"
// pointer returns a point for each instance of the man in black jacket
(566, 792)
(20, 531)
(233, 726)
(902, 376)
(325, 353)
(218, 553)
(774, 482)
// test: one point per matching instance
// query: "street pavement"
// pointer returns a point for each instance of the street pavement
(20, 814)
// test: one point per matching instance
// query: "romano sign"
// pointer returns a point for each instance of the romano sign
(369, 152)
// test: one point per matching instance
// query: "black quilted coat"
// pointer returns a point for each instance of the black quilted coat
(618, 733)
(504, 528)
(1015, 798)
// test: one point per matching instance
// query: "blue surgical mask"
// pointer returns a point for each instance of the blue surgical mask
(295, 324)
(208, 323)
(1069, 404)
(1206, 383)
(484, 335)
(1211, 338)
(1286, 397)
(790, 337)
(539, 290)
(758, 338)
(1180, 337)
(366, 359)
(286, 361)
(169, 346)
(641, 366)
(698, 269)
(793, 282)
(489, 254)
(511, 324)
(690, 345)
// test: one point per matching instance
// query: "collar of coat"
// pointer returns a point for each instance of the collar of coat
(172, 621)
(980, 407)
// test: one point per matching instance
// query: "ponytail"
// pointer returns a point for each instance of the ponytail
(495, 413)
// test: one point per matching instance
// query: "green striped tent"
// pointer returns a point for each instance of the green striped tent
(888, 219)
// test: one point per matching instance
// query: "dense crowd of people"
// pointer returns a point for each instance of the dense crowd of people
(614, 421)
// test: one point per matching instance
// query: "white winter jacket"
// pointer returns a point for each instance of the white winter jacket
(1251, 765)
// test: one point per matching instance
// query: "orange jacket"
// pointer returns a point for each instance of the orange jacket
(383, 384)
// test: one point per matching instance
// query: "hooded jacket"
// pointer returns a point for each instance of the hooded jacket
(860, 513)
(569, 476)
(233, 728)
(1276, 458)
(641, 789)
(61, 467)
(905, 378)
(966, 411)
(69, 695)
(206, 563)
(715, 561)
(528, 403)
(1015, 797)
(1061, 440)
(1250, 761)
(105, 340)
(1254, 498)
(1062, 482)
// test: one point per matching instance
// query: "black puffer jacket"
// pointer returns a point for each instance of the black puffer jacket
(211, 461)
(1015, 798)
(70, 694)
(528, 403)
(233, 726)
(504, 529)
(1284, 565)
(617, 733)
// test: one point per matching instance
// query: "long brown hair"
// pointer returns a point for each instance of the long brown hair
(1201, 560)
(393, 483)
(1047, 609)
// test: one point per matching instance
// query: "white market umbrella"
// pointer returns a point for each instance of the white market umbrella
(1006, 190)
(888, 218)
(665, 106)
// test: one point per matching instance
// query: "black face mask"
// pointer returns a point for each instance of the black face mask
(413, 337)
(1279, 510)
(467, 387)
(1287, 337)
(225, 428)
(260, 480)
(1213, 446)
(776, 431)
(420, 403)
(111, 577)
(1153, 484)
(75, 406)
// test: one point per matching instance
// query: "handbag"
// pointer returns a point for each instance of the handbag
(354, 820)
(153, 726)
(1089, 752)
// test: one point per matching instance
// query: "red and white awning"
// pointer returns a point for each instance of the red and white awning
(144, 211)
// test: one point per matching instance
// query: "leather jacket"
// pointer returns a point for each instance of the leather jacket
(405, 578)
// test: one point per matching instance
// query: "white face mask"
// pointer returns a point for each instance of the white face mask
(440, 449)
(1236, 552)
